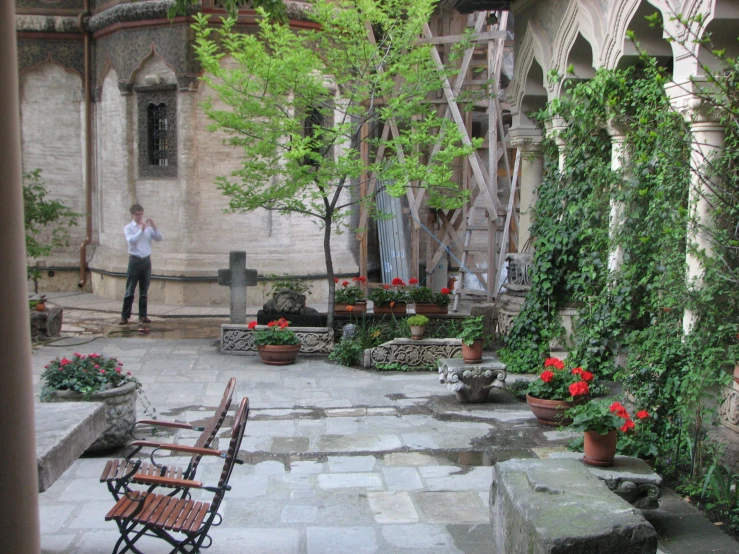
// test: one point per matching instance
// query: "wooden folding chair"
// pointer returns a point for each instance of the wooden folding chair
(117, 474)
(183, 523)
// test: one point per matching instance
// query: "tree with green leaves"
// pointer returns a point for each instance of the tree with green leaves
(47, 222)
(296, 103)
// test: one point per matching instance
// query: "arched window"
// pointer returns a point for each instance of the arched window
(157, 130)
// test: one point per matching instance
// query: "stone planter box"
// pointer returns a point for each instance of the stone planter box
(120, 413)
(239, 339)
(416, 354)
(430, 309)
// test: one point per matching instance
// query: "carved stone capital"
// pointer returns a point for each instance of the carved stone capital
(471, 382)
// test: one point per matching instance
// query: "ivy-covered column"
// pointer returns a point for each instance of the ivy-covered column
(707, 139)
(619, 163)
(531, 173)
(554, 131)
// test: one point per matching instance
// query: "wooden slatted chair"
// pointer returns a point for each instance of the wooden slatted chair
(183, 523)
(118, 473)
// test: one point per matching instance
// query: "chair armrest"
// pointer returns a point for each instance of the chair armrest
(175, 448)
(169, 482)
(172, 424)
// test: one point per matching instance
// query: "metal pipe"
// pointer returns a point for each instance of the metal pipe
(88, 145)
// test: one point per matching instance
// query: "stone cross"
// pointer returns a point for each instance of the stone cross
(237, 277)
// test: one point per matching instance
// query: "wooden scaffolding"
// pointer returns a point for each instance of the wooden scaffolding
(477, 236)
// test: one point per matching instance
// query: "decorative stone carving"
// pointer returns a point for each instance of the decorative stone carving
(517, 284)
(239, 339)
(285, 301)
(472, 382)
(729, 411)
(416, 354)
(630, 478)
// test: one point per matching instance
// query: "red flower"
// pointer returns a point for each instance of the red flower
(554, 362)
(392, 303)
(579, 388)
(252, 325)
(445, 290)
(350, 308)
(619, 410)
(97, 366)
(412, 281)
(65, 361)
(336, 279)
(576, 370)
(118, 370)
(345, 284)
(362, 279)
(272, 324)
(586, 375)
(386, 287)
(547, 376)
(628, 424)
(642, 414)
(398, 282)
(102, 371)
(128, 373)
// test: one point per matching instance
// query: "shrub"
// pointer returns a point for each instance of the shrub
(347, 352)
(86, 374)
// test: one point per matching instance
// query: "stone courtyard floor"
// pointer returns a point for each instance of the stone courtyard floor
(337, 459)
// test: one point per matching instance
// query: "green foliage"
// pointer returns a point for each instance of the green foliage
(425, 295)
(347, 352)
(595, 415)
(389, 293)
(397, 366)
(295, 102)
(86, 374)
(47, 222)
(280, 282)
(418, 320)
(349, 293)
(472, 330)
(276, 333)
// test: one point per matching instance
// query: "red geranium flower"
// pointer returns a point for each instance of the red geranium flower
(579, 388)
(398, 282)
(271, 324)
(336, 279)
(252, 324)
(345, 284)
(547, 376)
(445, 290)
(412, 281)
(586, 375)
(386, 287)
(628, 424)
(362, 279)
(554, 362)
(642, 414)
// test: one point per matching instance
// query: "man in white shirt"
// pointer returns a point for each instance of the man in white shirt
(139, 234)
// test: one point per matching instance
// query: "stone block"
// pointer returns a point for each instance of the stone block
(558, 506)
(47, 323)
(239, 339)
(630, 478)
(487, 311)
(413, 353)
(64, 430)
(472, 382)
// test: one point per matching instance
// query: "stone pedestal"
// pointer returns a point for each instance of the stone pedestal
(472, 382)
(630, 478)
(47, 324)
(239, 339)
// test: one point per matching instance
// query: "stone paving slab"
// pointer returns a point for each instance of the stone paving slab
(329, 465)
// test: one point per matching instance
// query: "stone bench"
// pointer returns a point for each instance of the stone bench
(64, 430)
(239, 339)
(416, 354)
(630, 478)
(472, 382)
(557, 505)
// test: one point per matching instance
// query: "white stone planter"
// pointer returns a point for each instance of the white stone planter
(120, 412)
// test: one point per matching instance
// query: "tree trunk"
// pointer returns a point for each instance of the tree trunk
(329, 273)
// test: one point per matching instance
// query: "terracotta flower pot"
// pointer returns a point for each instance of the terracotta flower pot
(549, 412)
(472, 354)
(600, 450)
(398, 309)
(426, 309)
(357, 308)
(278, 354)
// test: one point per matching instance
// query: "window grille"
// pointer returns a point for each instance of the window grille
(157, 130)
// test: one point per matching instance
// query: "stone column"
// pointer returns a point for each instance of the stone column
(554, 130)
(19, 477)
(618, 162)
(532, 171)
(708, 139)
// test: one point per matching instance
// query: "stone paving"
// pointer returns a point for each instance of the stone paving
(337, 459)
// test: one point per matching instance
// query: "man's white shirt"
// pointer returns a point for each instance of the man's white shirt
(139, 242)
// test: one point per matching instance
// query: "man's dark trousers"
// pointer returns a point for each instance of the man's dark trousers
(139, 273)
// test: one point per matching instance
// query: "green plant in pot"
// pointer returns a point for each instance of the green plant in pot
(276, 344)
(350, 294)
(472, 335)
(390, 298)
(417, 324)
(95, 378)
(428, 301)
(600, 420)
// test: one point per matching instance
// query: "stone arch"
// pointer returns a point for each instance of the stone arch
(651, 40)
(153, 69)
(568, 34)
(534, 51)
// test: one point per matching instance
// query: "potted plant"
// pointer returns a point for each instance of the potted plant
(556, 390)
(601, 420)
(350, 295)
(472, 335)
(418, 323)
(41, 304)
(390, 299)
(276, 344)
(95, 378)
(427, 301)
